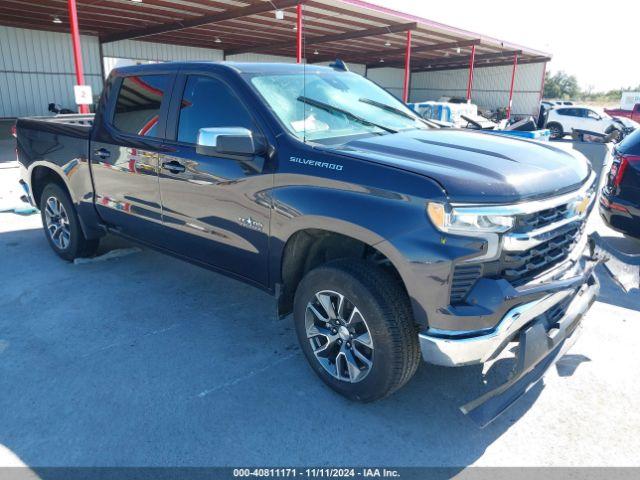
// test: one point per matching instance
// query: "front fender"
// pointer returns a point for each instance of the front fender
(389, 215)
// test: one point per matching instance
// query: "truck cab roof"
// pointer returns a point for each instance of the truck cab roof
(237, 67)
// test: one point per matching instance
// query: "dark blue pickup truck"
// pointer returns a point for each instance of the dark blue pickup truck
(388, 238)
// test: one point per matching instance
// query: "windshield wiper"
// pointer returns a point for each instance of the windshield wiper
(397, 111)
(386, 107)
(347, 113)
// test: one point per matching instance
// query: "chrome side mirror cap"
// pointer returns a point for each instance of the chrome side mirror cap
(213, 141)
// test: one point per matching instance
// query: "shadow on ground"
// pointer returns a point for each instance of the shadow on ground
(146, 360)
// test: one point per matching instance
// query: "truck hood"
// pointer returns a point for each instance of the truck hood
(475, 166)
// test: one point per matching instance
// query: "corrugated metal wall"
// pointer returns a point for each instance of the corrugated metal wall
(391, 79)
(259, 57)
(358, 68)
(490, 86)
(159, 52)
(36, 68)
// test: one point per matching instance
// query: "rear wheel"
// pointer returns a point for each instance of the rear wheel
(354, 324)
(556, 130)
(61, 224)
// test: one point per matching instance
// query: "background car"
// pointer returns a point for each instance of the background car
(563, 120)
(633, 114)
(620, 200)
(555, 103)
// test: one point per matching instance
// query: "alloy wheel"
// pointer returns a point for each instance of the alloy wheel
(57, 223)
(339, 336)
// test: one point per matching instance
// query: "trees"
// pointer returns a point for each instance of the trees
(561, 86)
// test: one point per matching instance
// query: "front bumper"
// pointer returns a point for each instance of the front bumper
(459, 351)
(545, 330)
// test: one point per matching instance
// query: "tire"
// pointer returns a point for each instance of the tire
(61, 225)
(383, 312)
(556, 130)
(615, 135)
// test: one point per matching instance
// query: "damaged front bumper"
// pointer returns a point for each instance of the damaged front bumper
(544, 328)
(459, 350)
(540, 344)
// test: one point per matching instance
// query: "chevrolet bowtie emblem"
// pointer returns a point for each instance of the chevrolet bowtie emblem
(580, 206)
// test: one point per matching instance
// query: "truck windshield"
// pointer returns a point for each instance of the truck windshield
(322, 105)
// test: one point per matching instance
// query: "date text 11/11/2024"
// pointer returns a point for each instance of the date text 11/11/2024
(316, 472)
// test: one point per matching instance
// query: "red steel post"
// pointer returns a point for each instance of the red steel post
(544, 75)
(513, 78)
(470, 82)
(77, 52)
(407, 69)
(299, 33)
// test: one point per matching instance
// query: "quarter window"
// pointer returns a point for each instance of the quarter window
(208, 103)
(138, 104)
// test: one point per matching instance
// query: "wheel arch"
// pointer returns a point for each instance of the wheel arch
(554, 122)
(319, 241)
(42, 173)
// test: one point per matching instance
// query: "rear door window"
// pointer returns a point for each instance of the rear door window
(138, 105)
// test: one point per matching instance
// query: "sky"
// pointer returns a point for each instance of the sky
(595, 41)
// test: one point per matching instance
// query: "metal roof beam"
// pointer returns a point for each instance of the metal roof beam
(495, 63)
(229, 14)
(370, 32)
(381, 53)
(462, 59)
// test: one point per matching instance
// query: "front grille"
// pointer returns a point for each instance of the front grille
(522, 267)
(464, 277)
(532, 221)
(538, 243)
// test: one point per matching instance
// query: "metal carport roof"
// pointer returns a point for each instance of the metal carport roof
(353, 30)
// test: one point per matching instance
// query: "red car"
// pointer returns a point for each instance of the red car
(632, 114)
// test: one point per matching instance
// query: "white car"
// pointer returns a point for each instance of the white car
(555, 103)
(563, 120)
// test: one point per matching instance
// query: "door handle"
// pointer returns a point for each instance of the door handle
(173, 166)
(102, 153)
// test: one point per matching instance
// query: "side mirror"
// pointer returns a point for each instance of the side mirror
(226, 140)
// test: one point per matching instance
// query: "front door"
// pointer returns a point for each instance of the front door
(216, 208)
(124, 156)
(593, 121)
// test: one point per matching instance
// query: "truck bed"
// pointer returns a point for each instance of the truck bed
(73, 125)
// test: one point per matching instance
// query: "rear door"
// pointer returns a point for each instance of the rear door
(569, 119)
(216, 207)
(124, 154)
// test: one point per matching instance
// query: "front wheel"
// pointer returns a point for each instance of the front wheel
(355, 327)
(555, 130)
(615, 135)
(61, 224)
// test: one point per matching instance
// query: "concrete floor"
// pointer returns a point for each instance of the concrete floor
(145, 360)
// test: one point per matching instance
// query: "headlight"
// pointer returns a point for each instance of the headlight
(459, 220)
